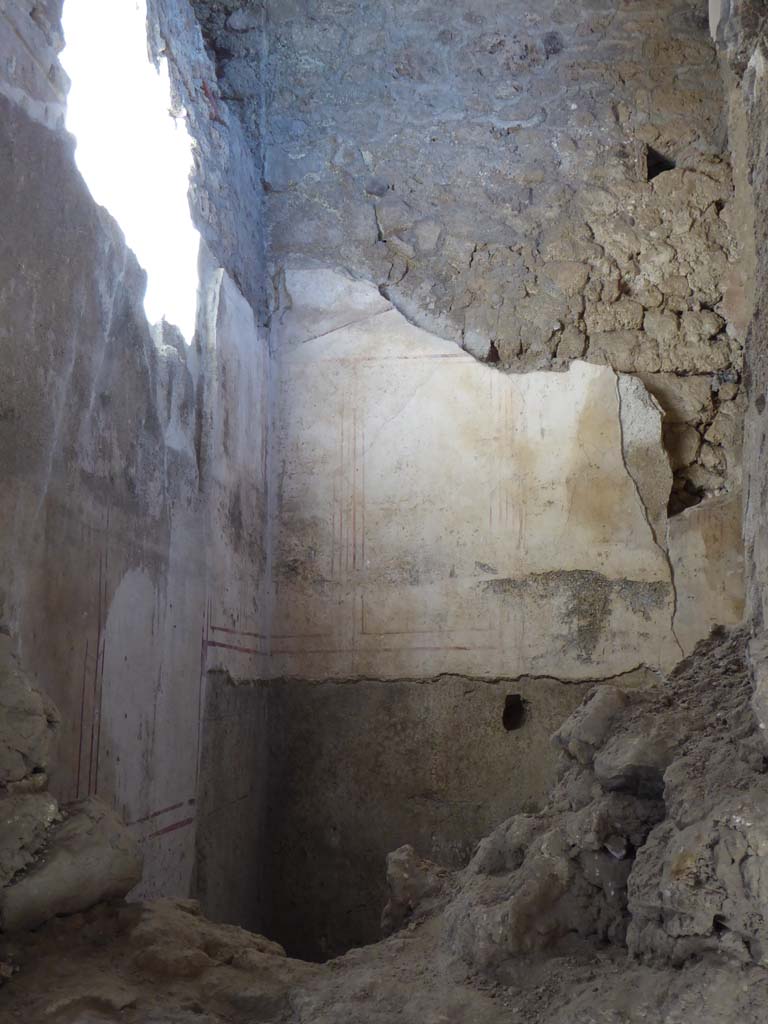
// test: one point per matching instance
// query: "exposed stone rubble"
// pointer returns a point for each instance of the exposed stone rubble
(655, 835)
(52, 860)
(410, 881)
(27, 727)
(594, 219)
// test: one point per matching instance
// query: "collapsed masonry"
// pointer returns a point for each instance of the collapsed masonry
(53, 860)
(654, 837)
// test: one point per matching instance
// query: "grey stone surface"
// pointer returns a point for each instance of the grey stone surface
(635, 764)
(90, 857)
(24, 823)
(587, 729)
(608, 858)
(28, 722)
(410, 881)
(550, 181)
(337, 775)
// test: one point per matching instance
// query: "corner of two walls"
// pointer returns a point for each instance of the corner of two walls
(428, 561)
(425, 558)
(133, 510)
(417, 539)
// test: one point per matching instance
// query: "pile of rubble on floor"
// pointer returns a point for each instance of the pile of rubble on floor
(655, 837)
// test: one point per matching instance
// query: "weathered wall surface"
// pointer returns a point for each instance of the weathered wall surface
(536, 189)
(739, 26)
(134, 491)
(438, 516)
(351, 770)
(225, 186)
(233, 834)
(744, 51)
(537, 185)
(498, 176)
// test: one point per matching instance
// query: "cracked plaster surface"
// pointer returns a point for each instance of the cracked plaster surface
(539, 545)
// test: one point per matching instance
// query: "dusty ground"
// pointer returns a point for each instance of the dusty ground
(161, 963)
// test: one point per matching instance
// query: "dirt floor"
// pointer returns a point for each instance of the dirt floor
(161, 962)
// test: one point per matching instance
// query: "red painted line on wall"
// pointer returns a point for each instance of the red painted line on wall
(348, 511)
(460, 357)
(333, 527)
(98, 720)
(103, 652)
(203, 666)
(354, 489)
(362, 497)
(234, 647)
(95, 679)
(383, 650)
(300, 636)
(163, 810)
(237, 632)
(170, 828)
(82, 719)
(340, 495)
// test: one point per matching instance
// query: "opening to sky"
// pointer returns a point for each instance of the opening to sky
(135, 156)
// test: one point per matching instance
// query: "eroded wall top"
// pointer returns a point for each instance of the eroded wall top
(538, 184)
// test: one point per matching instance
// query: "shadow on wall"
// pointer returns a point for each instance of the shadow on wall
(306, 787)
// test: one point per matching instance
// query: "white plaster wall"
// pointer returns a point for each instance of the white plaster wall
(237, 389)
(438, 516)
(706, 547)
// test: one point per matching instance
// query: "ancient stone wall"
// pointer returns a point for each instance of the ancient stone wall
(421, 213)
(133, 504)
(455, 198)
(539, 186)
(739, 27)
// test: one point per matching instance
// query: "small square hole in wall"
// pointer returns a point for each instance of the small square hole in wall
(515, 712)
(657, 163)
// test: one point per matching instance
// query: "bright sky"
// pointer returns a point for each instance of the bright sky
(134, 156)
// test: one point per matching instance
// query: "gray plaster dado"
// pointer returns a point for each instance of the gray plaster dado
(333, 776)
